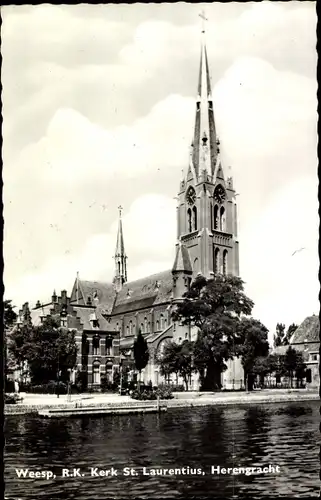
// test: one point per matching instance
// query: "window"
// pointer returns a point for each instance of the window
(89, 302)
(195, 266)
(109, 345)
(189, 220)
(216, 260)
(148, 327)
(95, 323)
(96, 373)
(225, 262)
(109, 371)
(216, 217)
(157, 326)
(211, 209)
(162, 322)
(142, 328)
(127, 330)
(130, 327)
(63, 322)
(145, 325)
(96, 345)
(222, 219)
(165, 323)
(195, 218)
(314, 357)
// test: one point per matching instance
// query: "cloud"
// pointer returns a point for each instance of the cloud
(149, 231)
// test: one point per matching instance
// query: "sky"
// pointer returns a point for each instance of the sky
(98, 110)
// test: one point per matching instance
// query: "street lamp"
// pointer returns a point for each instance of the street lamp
(68, 385)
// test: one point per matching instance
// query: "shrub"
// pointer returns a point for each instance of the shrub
(106, 385)
(9, 386)
(52, 387)
(81, 381)
(172, 387)
(162, 393)
(11, 399)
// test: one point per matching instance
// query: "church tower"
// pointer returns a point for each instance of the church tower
(206, 212)
(120, 257)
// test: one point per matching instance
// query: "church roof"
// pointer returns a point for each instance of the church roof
(105, 293)
(145, 292)
(138, 294)
(308, 331)
(84, 315)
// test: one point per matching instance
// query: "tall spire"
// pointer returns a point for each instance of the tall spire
(205, 139)
(120, 256)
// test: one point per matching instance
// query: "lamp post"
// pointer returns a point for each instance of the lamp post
(68, 386)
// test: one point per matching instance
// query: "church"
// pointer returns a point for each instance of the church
(108, 315)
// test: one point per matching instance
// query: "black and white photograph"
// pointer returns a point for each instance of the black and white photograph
(161, 332)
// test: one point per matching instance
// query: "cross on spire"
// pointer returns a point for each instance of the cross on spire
(204, 18)
(120, 208)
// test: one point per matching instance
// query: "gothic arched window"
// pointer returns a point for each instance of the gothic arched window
(142, 328)
(211, 210)
(225, 262)
(130, 327)
(222, 219)
(145, 325)
(96, 373)
(157, 326)
(165, 323)
(216, 217)
(162, 322)
(194, 218)
(217, 260)
(189, 220)
(127, 330)
(195, 266)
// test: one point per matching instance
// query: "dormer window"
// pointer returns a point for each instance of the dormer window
(89, 301)
(63, 322)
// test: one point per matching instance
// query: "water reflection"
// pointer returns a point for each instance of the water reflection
(198, 437)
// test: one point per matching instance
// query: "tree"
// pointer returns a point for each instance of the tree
(289, 333)
(9, 315)
(290, 362)
(300, 369)
(178, 359)
(253, 344)
(279, 335)
(9, 319)
(185, 361)
(141, 354)
(168, 360)
(49, 350)
(214, 306)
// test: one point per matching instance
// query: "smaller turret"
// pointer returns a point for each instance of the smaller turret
(182, 272)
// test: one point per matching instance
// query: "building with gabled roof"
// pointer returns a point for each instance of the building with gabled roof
(206, 243)
(306, 339)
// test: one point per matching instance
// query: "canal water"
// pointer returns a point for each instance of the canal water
(276, 435)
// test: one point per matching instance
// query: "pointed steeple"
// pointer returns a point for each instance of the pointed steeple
(182, 261)
(205, 139)
(120, 256)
